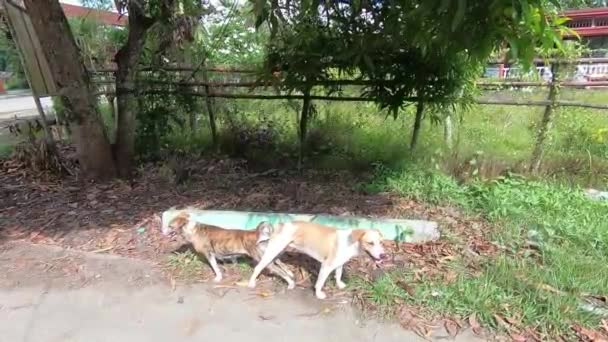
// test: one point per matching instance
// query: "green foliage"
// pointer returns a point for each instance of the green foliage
(97, 43)
(430, 49)
(158, 116)
(566, 4)
(545, 289)
(229, 38)
(10, 60)
(105, 5)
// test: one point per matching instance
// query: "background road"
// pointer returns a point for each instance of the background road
(21, 104)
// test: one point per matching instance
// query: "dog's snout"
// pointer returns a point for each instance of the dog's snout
(383, 256)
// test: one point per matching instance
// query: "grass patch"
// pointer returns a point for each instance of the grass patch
(5, 150)
(489, 140)
(543, 287)
(186, 265)
(189, 266)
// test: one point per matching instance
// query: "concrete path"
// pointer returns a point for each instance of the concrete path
(21, 105)
(48, 294)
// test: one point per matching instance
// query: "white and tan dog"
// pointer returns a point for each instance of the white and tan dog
(330, 246)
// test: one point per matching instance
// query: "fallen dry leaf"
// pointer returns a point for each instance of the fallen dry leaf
(264, 294)
(533, 334)
(474, 324)
(407, 318)
(451, 327)
(587, 334)
(406, 287)
(422, 331)
(502, 322)
(549, 288)
(450, 277)
(518, 338)
(605, 325)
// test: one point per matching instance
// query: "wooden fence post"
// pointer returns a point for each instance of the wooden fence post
(303, 126)
(546, 122)
(210, 111)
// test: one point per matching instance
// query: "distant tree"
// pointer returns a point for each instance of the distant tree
(576, 4)
(421, 51)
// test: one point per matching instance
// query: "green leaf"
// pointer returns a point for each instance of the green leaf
(513, 48)
(445, 5)
(369, 63)
(459, 15)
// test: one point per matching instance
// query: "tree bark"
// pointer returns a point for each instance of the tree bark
(448, 129)
(71, 77)
(127, 59)
(417, 124)
(546, 123)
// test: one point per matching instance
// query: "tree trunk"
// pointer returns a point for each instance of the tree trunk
(448, 129)
(417, 124)
(71, 77)
(127, 60)
(545, 124)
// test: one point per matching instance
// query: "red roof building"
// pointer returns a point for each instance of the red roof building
(102, 17)
(589, 22)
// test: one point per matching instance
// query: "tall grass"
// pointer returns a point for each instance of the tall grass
(490, 140)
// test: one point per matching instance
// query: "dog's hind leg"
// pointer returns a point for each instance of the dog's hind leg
(283, 273)
(273, 249)
(338, 273)
(324, 272)
(215, 267)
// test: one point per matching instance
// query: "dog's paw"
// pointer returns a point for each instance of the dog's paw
(321, 294)
(291, 285)
(217, 279)
(251, 285)
(340, 284)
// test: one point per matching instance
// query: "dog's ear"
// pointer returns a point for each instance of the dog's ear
(264, 230)
(179, 221)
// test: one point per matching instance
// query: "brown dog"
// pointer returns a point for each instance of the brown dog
(218, 243)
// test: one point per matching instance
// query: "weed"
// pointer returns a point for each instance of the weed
(5, 150)
(569, 231)
(187, 265)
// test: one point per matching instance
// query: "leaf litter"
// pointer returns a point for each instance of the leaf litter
(123, 218)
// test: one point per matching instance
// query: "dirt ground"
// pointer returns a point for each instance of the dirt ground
(52, 294)
(121, 218)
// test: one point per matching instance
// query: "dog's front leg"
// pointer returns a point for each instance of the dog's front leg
(215, 267)
(338, 273)
(324, 272)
